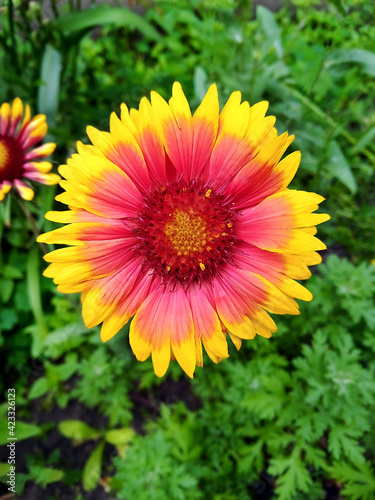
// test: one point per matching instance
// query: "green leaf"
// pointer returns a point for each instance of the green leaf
(10, 271)
(53, 475)
(359, 484)
(39, 388)
(250, 456)
(292, 475)
(45, 475)
(339, 167)
(270, 28)
(119, 437)
(6, 289)
(263, 404)
(34, 293)
(48, 94)
(93, 468)
(99, 16)
(63, 399)
(358, 56)
(8, 319)
(22, 430)
(47, 196)
(78, 431)
(59, 341)
(366, 139)
(68, 368)
(339, 6)
(5, 213)
(342, 441)
(200, 82)
(4, 469)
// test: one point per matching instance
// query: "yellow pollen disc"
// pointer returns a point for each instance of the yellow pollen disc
(207, 195)
(4, 155)
(186, 232)
(202, 266)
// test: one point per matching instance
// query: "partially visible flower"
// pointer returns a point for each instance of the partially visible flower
(18, 154)
(186, 223)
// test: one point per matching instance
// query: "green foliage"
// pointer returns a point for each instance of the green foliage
(151, 471)
(93, 467)
(24, 430)
(45, 475)
(296, 421)
(100, 370)
(80, 432)
(281, 418)
(56, 375)
(359, 482)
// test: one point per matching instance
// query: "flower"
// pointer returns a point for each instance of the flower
(17, 152)
(185, 224)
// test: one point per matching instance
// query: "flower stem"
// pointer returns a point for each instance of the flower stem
(32, 223)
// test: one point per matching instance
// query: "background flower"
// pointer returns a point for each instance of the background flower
(18, 154)
(186, 223)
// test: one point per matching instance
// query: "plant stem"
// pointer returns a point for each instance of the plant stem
(13, 45)
(54, 9)
(348, 136)
(32, 224)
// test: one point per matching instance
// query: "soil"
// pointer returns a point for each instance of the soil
(73, 458)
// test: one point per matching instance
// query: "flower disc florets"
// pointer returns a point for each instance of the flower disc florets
(186, 232)
(11, 159)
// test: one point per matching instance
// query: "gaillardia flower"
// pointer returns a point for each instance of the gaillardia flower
(186, 223)
(18, 153)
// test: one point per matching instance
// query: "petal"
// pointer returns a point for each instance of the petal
(232, 308)
(5, 187)
(24, 191)
(271, 266)
(34, 131)
(42, 166)
(79, 232)
(240, 297)
(5, 114)
(164, 321)
(206, 322)
(263, 176)
(128, 307)
(48, 179)
(69, 216)
(17, 110)
(242, 130)
(148, 135)
(99, 186)
(176, 128)
(205, 126)
(107, 295)
(231, 151)
(40, 152)
(91, 261)
(125, 152)
(277, 223)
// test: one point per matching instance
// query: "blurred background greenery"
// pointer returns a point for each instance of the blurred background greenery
(289, 418)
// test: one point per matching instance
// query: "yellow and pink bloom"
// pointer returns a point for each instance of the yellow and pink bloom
(19, 158)
(185, 224)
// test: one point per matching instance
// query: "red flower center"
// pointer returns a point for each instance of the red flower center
(186, 232)
(11, 159)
